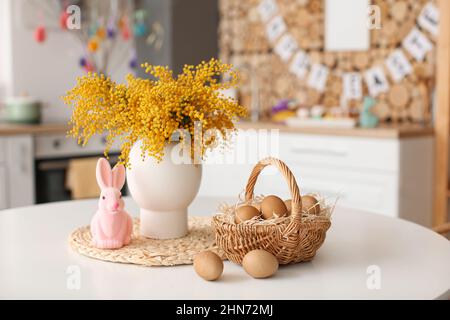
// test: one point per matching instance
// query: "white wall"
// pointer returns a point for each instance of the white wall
(5, 48)
(46, 70)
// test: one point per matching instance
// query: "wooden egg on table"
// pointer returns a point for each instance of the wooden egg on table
(310, 205)
(260, 264)
(273, 205)
(244, 213)
(208, 265)
(288, 204)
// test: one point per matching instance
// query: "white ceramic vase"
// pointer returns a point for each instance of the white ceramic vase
(163, 191)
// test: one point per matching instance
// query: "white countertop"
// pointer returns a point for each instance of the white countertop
(36, 262)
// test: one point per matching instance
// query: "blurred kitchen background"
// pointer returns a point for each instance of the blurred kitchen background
(372, 147)
(40, 59)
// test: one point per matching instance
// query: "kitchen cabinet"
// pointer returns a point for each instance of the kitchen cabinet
(16, 171)
(389, 176)
(29, 153)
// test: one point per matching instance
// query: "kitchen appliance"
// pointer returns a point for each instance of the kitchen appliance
(52, 155)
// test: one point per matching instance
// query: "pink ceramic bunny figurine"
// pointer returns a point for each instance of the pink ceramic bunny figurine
(111, 226)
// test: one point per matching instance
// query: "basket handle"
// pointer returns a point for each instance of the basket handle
(289, 177)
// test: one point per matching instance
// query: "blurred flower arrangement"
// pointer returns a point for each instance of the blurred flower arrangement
(105, 27)
(152, 110)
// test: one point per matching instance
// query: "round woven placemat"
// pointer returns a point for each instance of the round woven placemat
(151, 252)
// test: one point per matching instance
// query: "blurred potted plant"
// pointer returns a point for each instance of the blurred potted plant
(149, 116)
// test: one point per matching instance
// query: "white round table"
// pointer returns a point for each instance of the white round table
(365, 256)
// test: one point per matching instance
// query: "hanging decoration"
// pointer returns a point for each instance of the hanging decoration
(398, 65)
(140, 27)
(300, 64)
(286, 47)
(156, 36)
(275, 28)
(417, 44)
(63, 17)
(133, 61)
(125, 28)
(267, 9)
(318, 77)
(401, 56)
(376, 81)
(429, 18)
(40, 33)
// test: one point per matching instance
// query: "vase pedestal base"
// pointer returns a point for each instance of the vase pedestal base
(164, 224)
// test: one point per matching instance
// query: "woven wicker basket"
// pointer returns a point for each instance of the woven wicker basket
(291, 239)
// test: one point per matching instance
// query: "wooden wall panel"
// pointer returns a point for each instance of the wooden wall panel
(243, 42)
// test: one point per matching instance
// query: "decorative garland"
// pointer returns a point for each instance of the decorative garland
(298, 61)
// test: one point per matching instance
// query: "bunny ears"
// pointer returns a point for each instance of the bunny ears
(107, 178)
